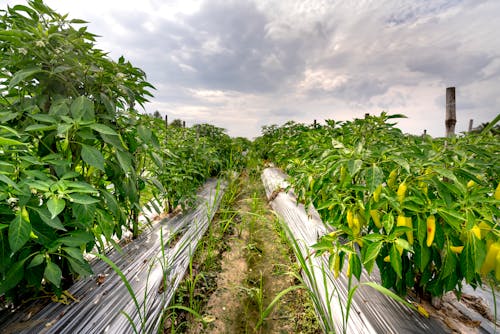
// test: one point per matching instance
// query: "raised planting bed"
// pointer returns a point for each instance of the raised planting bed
(370, 310)
(153, 265)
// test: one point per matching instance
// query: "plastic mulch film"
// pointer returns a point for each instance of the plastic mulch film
(371, 311)
(104, 303)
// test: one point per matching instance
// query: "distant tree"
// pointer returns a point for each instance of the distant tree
(157, 114)
(176, 123)
(208, 130)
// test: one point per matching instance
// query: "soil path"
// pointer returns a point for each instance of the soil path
(254, 268)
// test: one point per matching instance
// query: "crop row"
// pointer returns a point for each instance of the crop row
(425, 210)
(78, 161)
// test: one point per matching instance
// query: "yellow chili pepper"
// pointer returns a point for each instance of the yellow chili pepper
(490, 262)
(422, 310)
(356, 224)
(431, 229)
(342, 174)
(470, 184)
(409, 234)
(401, 193)
(423, 186)
(497, 192)
(400, 250)
(350, 218)
(401, 221)
(456, 249)
(376, 194)
(484, 228)
(336, 265)
(476, 231)
(392, 178)
(497, 269)
(359, 242)
(387, 259)
(348, 272)
(376, 218)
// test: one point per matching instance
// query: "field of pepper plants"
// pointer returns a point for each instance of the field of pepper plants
(78, 161)
(424, 210)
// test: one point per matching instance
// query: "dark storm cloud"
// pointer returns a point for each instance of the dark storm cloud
(227, 45)
(243, 58)
(455, 67)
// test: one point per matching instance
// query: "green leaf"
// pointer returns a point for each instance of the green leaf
(449, 265)
(78, 21)
(7, 141)
(421, 230)
(108, 104)
(114, 140)
(82, 109)
(55, 206)
(76, 239)
(404, 244)
(354, 166)
(125, 160)
(14, 276)
(59, 108)
(93, 157)
(443, 192)
(157, 159)
(22, 75)
(19, 230)
(452, 218)
(80, 187)
(390, 294)
(374, 177)
(9, 182)
(103, 129)
(70, 175)
(355, 265)
(81, 268)
(74, 252)
(63, 128)
(83, 199)
(37, 260)
(40, 127)
(45, 118)
(84, 214)
(53, 273)
(52, 222)
(422, 256)
(472, 257)
(402, 162)
(396, 263)
(144, 133)
(372, 251)
(446, 173)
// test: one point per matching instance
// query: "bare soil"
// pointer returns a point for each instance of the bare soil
(254, 266)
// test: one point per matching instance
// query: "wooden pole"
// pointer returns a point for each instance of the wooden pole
(315, 124)
(451, 115)
(183, 124)
(166, 121)
(471, 122)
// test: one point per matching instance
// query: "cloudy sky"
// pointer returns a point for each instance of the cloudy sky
(243, 64)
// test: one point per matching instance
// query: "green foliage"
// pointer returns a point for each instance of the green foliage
(352, 172)
(76, 156)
